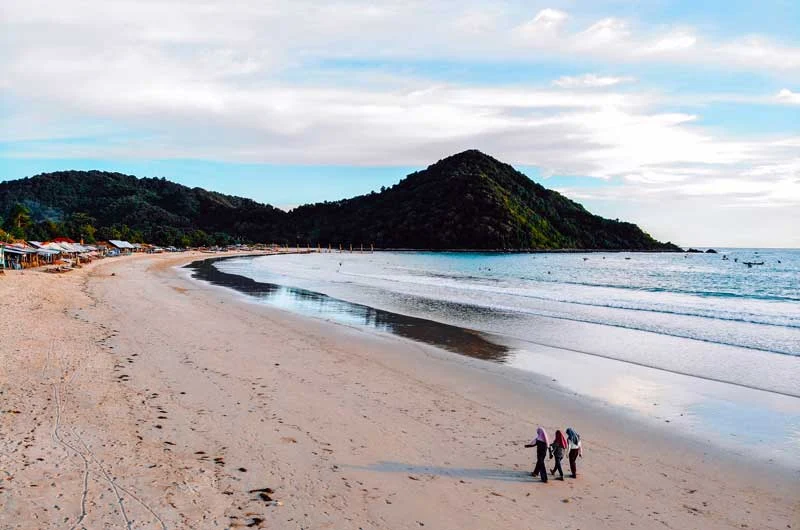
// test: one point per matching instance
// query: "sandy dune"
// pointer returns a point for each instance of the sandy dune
(132, 397)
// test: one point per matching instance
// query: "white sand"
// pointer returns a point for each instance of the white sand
(119, 392)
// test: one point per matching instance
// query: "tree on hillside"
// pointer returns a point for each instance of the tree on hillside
(80, 226)
(4, 236)
(20, 216)
(19, 219)
(51, 229)
(104, 233)
(45, 231)
(201, 239)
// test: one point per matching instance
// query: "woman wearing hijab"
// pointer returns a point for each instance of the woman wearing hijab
(557, 449)
(541, 452)
(575, 450)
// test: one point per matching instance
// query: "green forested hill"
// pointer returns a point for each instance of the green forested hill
(103, 205)
(467, 201)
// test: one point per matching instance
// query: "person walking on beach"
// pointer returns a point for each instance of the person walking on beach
(575, 450)
(540, 443)
(557, 449)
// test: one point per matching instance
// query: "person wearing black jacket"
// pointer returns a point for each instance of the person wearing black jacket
(541, 453)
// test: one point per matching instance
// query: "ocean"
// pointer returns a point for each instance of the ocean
(715, 340)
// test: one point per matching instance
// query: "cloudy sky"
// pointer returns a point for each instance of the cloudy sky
(684, 119)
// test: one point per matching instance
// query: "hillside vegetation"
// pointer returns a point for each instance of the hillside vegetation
(93, 205)
(466, 201)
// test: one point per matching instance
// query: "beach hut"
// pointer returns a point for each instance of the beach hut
(47, 255)
(75, 251)
(10, 257)
(37, 245)
(103, 247)
(19, 256)
(123, 247)
(67, 248)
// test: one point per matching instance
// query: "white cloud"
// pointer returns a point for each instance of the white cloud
(541, 31)
(787, 96)
(616, 39)
(756, 53)
(590, 81)
(476, 22)
(604, 135)
(676, 41)
(240, 81)
(604, 32)
(285, 33)
(549, 18)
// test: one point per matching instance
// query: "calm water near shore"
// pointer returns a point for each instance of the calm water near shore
(709, 345)
(452, 338)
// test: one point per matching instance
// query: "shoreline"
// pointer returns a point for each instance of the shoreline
(500, 341)
(499, 350)
(524, 380)
(346, 428)
(501, 250)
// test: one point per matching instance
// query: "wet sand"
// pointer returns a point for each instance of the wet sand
(309, 303)
(700, 408)
(134, 397)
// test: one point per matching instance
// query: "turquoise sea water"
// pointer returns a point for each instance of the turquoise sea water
(730, 311)
(697, 296)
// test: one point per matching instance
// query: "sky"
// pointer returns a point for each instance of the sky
(683, 117)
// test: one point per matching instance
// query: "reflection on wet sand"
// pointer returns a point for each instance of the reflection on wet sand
(448, 337)
(697, 407)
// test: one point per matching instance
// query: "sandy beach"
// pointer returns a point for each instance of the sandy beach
(135, 397)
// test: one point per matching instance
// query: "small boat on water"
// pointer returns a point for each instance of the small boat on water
(751, 263)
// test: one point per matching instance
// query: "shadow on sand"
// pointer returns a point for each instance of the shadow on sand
(504, 475)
